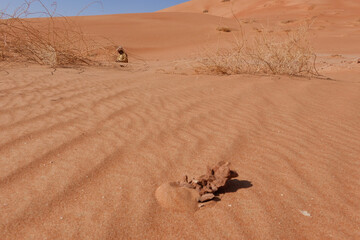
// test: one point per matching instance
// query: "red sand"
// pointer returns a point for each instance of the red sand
(82, 152)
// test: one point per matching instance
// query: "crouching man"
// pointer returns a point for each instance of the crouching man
(123, 57)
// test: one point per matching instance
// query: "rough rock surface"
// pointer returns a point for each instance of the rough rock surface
(208, 184)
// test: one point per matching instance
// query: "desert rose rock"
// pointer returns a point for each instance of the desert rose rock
(185, 195)
(208, 184)
(206, 197)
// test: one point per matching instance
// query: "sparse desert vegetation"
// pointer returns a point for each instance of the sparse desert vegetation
(51, 40)
(223, 29)
(266, 52)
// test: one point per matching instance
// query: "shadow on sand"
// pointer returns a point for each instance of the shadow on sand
(232, 186)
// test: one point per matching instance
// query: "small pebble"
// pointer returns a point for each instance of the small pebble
(305, 213)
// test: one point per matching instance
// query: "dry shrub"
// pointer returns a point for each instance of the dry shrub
(267, 52)
(223, 29)
(51, 40)
(288, 21)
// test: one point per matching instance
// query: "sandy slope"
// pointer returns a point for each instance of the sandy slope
(335, 24)
(155, 36)
(83, 151)
(266, 8)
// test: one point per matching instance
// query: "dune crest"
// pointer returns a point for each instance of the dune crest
(263, 8)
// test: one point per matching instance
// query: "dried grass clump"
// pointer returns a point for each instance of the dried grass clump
(223, 29)
(268, 52)
(54, 41)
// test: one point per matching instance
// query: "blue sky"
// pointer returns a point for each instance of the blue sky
(73, 7)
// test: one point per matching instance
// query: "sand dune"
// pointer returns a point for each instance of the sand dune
(335, 24)
(155, 36)
(82, 151)
(265, 8)
(170, 36)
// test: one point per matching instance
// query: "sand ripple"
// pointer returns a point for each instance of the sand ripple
(81, 155)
